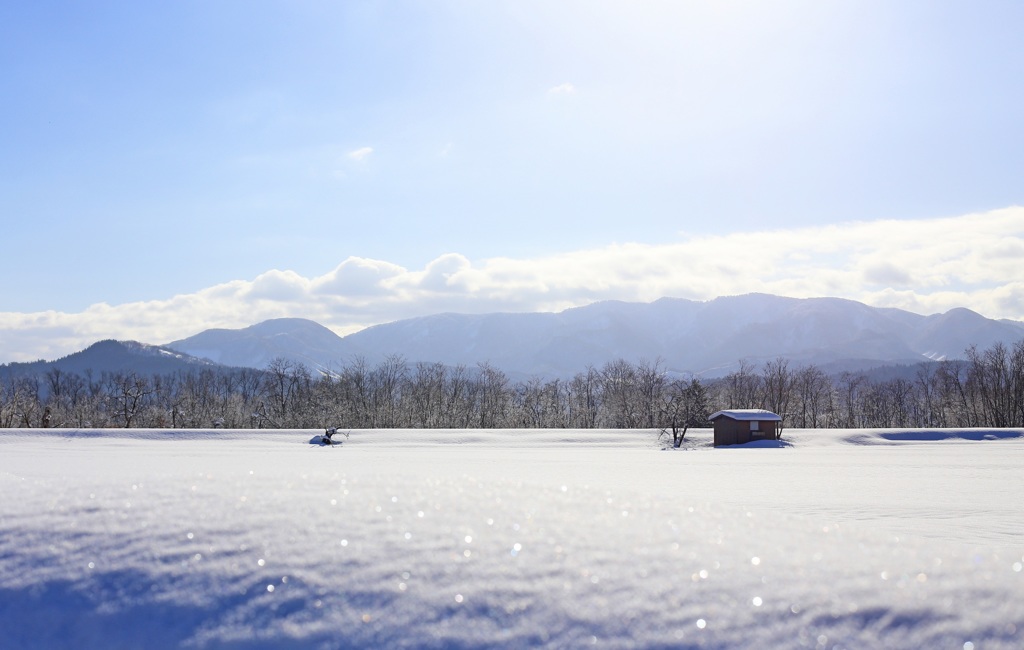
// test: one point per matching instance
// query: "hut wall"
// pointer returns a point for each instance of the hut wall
(737, 432)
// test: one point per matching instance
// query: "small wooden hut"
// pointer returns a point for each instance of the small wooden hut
(738, 426)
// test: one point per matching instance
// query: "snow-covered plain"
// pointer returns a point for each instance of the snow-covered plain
(510, 539)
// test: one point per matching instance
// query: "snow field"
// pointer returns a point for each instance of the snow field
(510, 539)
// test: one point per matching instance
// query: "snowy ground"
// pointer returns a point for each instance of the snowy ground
(510, 539)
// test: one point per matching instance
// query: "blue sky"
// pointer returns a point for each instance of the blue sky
(169, 167)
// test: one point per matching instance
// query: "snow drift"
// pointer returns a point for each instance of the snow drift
(510, 539)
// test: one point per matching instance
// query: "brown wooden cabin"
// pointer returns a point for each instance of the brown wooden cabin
(738, 426)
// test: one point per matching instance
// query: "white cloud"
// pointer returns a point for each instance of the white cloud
(278, 286)
(356, 278)
(562, 89)
(360, 154)
(925, 266)
(443, 274)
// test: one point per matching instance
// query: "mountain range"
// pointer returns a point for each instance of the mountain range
(703, 338)
(707, 339)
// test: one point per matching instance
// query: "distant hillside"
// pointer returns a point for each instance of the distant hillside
(112, 356)
(706, 338)
(296, 339)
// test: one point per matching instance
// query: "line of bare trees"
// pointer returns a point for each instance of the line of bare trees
(985, 390)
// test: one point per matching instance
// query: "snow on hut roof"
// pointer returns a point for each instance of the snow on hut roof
(747, 415)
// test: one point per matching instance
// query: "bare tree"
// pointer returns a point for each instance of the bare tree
(684, 405)
(427, 394)
(129, 394)
(849, 398)
(777, 383)
(812, 390)
(931, 413)
(460, 397)
(388, 378)
(620, 396)
(286, 384)
(952, 378)
(583, 394)
(494, 397)
(1017, 383)
(995, 376)
(742, 388)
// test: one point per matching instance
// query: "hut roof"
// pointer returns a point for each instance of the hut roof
(746, 415)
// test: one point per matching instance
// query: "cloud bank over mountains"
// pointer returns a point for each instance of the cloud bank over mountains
(924, 266)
